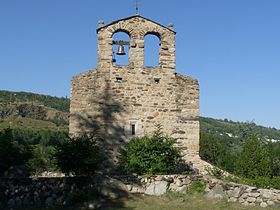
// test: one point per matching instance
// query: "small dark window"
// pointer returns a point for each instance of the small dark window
(119, 79)
(157, 80)
(133, 129)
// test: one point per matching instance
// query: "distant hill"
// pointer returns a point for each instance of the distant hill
(22, 109)
(33, 111)
(238, 130)
(61, 104)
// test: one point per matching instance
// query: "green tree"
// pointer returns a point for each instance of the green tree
(273, 150)
(254, 160)
(211, 148)
(217, 150)
(11, 154)
(79, 156)
(43, 158)
(150, 154)
(41, 144)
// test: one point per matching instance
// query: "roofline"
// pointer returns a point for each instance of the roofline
(181, 76)
(97, 30)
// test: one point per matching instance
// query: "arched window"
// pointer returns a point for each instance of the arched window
(152, 45)
(120, 39)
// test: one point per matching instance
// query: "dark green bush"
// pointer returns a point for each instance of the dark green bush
(150, 155)
(43, 159)
(11, 153)
(41, 144)
(79, 156)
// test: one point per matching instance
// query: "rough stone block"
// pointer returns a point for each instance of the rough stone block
(157, 188)
(263, 204)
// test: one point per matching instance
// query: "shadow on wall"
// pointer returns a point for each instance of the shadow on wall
(103, 120)
(71, 193)
(98, 192)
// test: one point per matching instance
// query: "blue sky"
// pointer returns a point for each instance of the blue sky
(231, 46)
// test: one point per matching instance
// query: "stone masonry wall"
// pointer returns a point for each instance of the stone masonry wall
(18, 192)
(100, 102)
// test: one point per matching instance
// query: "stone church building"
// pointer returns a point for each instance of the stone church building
(119, 102)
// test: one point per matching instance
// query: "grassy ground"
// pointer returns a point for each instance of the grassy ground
(171, 201)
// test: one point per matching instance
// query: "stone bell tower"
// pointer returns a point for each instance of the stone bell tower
(120, 102)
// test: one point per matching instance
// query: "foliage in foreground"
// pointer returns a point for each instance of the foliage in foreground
(34, 149)
(150, 154)
(79, 156)
(11, 153)
(42, 159)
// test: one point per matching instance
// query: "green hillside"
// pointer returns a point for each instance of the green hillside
(61, 104)
(33, 111)
(237, 130)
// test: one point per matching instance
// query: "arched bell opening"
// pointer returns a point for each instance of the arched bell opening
(152, 50)
(120, 48)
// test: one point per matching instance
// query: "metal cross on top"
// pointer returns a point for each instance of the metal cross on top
(137, 7)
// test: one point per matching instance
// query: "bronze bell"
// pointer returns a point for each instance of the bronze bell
(121, 50)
